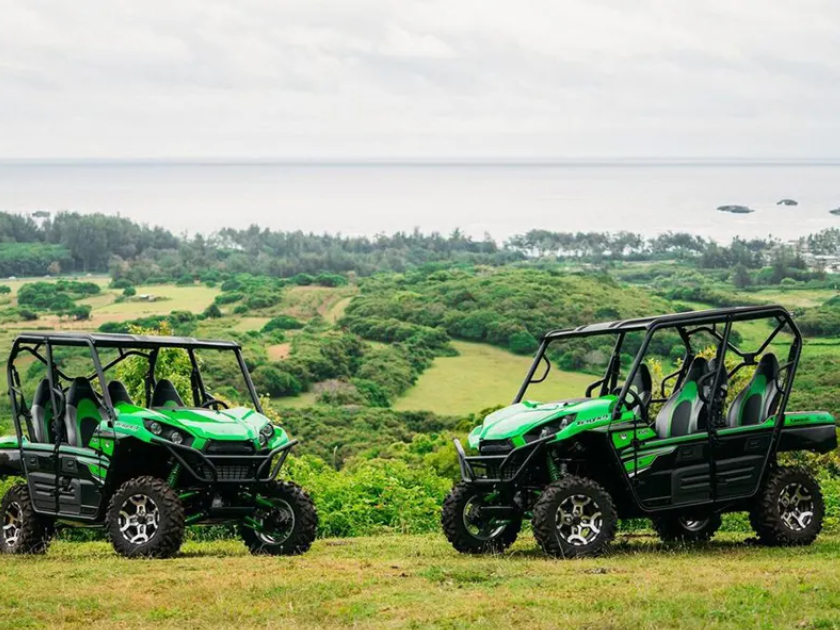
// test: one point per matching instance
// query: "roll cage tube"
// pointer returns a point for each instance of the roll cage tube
(784, 319)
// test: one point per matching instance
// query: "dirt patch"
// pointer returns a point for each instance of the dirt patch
(279, 351)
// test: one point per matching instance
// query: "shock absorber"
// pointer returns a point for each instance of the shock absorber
(174, 474)
(553, 471)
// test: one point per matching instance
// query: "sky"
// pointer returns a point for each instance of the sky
(419, 79)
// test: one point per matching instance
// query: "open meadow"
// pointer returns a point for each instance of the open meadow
(420, 582)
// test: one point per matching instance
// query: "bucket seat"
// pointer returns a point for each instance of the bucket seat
(84, 412)
(165, 395)
(684, 412)
(760, 398)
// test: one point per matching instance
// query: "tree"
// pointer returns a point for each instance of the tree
(54, 268)
(80, 312)
(213, 311)
(5, 289)
(741, 278)
(129, 291)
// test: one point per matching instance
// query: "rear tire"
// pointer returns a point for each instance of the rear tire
(464, 528)
(23, 531)
(687, 529)
(145, 519)
(574, 518)
(291, 526)
(789, 509)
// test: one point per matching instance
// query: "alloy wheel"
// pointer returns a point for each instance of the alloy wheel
(480, 528)
(12, 523)
(278, 523)
(796, 506)
(579, 520)
(139, 519)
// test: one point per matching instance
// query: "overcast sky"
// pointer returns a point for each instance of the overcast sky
(372, 79)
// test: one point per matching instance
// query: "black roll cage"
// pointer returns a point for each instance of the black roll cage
(687, 325)
(40, 346)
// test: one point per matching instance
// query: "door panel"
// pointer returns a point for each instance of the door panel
(79, 486)
(40, 472)
(739, 461)
(669, 474)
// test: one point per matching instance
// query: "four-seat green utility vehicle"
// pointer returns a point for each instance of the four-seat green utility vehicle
(680, 449)
(90, 455)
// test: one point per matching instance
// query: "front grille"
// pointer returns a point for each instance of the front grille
(495, 447)
(230, 448)
(235, 472)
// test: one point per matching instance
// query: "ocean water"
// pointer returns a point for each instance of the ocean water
(498, 199)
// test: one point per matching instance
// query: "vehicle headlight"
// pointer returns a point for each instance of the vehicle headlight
(176, 438)
(155, 428)
(556, 427)
(266, 433)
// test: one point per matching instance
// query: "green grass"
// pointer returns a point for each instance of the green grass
(484, 376)
(795, 298)
(420, 582)
(171, 298)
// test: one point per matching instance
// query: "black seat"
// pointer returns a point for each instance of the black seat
(642, 384)
(119, 394)
(760, 398)
(41, 414)
(84, 412)
(165, 395)
(684, 412)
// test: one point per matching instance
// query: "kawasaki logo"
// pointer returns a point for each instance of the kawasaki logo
(126, 427)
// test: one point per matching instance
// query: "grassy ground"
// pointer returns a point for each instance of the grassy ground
(420, 582)
(483, 376)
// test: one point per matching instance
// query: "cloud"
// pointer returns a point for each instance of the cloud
(419, 78)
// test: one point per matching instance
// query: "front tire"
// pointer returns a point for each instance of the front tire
(687, 529)
(574, 518)
(288, 528)
(146, 519)
(789, 509)
(24, 531)
(464, 526)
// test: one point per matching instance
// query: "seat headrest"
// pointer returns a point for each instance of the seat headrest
(41, 397)
(699, 366)
(166, 395)
(80, 389)
(768, 366)
(119, 394)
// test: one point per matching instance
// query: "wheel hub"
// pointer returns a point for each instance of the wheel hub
(12, 523)
(477, 524)
(139, 519)
(796, 506)
(694, 524)
(278, 523)
(579, 520)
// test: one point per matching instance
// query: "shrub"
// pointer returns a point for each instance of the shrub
(338, 393)
(213, 311)
(371, 497)
(302, 279)
(276, 382)
(129, 291)
(121, 283)
(282, 322)
(80, 313)
(5, 289)
(522, 342)
(228, 298)
(27, 315)
(185, 280)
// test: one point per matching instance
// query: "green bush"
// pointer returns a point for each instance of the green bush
(371, 497)
(282, 322)
(5, 289)
(522, 342)
(276, 382)
(129, 291)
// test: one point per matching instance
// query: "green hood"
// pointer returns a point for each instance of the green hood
(236, 424)
(515, 421)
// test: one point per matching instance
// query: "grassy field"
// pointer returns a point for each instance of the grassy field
(483, 376)
(420, 582)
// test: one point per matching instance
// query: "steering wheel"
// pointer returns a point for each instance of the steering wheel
(214, 402)
(636, 403)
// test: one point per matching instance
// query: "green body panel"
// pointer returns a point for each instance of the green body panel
(236, 424)
(512, 423)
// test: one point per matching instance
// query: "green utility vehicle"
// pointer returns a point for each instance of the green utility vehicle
(680, 449)
(90, 455)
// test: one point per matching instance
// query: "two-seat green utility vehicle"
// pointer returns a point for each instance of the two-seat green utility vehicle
(680, 449)
(90, 455)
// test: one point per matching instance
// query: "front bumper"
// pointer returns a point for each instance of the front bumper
(499, 469)
(232, 469)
